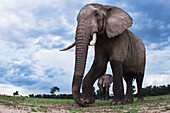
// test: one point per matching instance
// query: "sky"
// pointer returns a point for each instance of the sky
(33, 31)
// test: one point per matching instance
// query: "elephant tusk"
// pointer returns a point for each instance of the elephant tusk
(93, 42)
(69, 47)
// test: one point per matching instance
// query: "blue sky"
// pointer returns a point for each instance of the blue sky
(32, 32)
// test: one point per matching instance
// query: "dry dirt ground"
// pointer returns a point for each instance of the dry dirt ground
(4, 109)
(163, 107)
(11, 104)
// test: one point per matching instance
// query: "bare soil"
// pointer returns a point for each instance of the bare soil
(163, 107)
(10, 104)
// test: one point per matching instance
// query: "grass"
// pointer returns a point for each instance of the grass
(33, 100)
(76, 110)
(34, 110)
(45, 105)
(132, 110)
(166, 108)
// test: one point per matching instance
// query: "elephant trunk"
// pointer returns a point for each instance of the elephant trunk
(82, 41)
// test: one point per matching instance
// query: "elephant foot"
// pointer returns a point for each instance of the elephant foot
(129, 99)
(102, 99)
(106, 99)
(117, 101)
(140, 99)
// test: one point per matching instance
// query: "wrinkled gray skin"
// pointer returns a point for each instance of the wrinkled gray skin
(115, 44)
(104, 84)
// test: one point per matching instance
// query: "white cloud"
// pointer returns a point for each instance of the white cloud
(56, 58)
(94, 1)
(157, 67)
(9, 89)
(71, 28)
(153, 46)
(31, 34)
(122, 5)
(161, 27)
(23, 20)
(156, 79)
(168, 26)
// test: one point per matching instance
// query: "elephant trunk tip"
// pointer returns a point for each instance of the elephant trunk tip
(81, 103)
(78, 100)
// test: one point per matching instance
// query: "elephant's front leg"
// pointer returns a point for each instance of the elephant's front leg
(101, 92)
(98, 68)
(107, 93)
(118, 89)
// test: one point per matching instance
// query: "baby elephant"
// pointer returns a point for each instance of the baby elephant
(104, 83)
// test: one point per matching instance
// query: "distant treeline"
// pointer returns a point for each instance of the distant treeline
(156, 90)
(147, 91)
(60, 96)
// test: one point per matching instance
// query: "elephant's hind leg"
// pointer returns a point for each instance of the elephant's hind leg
(129, 92)
(139, 81)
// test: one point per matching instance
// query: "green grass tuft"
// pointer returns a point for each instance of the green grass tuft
(34, 110)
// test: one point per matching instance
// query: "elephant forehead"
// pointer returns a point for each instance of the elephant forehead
(107, 77)
(106, 81)
(87, 10)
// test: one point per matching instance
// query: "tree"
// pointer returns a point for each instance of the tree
(38, 96)
(31, 95)
(54, 89)
(16, 93)
(168, 89)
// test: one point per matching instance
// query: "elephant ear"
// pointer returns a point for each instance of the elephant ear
(117, 22)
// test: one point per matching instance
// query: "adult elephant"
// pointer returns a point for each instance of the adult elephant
(106, 27)
(104, 84)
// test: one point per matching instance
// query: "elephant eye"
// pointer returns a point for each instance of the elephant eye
(96, 14)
